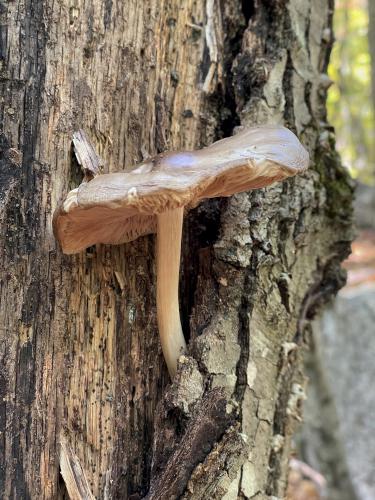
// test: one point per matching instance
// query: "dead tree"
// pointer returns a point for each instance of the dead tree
(81, 366)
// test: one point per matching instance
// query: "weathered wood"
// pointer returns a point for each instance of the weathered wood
(73, 474)
(88, 160)
(209, 422)
(79, 348)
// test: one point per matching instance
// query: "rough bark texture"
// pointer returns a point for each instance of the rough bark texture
(80, 356)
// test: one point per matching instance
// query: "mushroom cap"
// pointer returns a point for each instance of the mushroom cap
(120, 207)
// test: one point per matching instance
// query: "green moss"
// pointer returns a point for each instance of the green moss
(339, 186)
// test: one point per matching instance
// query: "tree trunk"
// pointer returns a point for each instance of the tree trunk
(81, 364)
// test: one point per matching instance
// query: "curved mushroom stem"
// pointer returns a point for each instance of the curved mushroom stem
(168, 250)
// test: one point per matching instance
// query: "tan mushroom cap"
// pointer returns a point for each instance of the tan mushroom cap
(120, 207)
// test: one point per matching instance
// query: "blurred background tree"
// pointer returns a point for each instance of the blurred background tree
(371, 39)
(352, 68)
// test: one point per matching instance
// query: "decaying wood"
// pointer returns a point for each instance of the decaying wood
(212, 478)
(90, 163)
(209, 421)
(73, 474)
(79, 348)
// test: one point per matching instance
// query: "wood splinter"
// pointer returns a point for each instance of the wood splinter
(73, 474)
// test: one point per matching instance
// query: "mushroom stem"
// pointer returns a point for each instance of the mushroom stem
(168, 251)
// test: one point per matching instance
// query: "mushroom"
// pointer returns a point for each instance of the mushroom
(119, 207)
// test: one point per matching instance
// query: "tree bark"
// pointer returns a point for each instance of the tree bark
(80, 357)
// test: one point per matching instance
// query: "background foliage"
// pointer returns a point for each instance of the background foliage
(350, 106)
